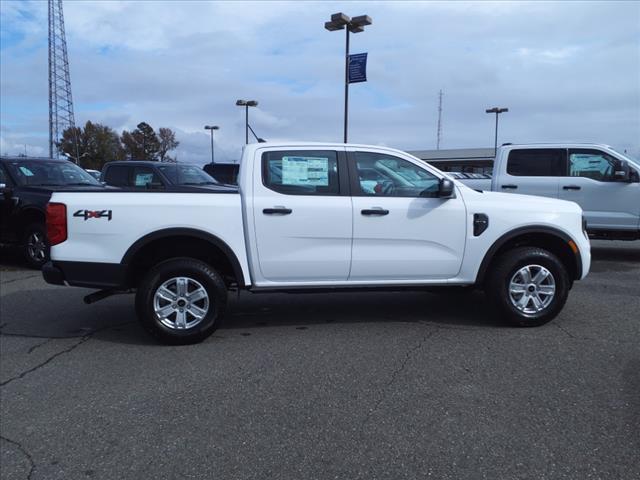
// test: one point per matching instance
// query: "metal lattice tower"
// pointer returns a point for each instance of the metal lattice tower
(60, 100)
(439, 134)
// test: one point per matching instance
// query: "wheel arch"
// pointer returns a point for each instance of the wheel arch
(186, 242)
(29, 215)
(551, 239)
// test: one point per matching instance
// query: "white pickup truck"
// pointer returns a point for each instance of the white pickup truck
(604, 182)
(315, 217)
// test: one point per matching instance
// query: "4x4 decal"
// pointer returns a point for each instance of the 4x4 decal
(87, 214)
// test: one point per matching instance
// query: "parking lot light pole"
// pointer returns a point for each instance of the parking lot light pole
(354, 25)
(497, 111)
(211, 128)
(246, 104)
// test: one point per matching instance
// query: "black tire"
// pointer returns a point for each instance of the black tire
(506, 267)
(35, 246)
(166, 330)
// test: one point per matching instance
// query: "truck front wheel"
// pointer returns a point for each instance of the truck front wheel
(528, 285)
(180, 301)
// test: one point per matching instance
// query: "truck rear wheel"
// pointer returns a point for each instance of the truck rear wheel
(180, 301)
(528, 285)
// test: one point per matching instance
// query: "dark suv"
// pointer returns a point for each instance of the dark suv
(25, 188)
(149, 175)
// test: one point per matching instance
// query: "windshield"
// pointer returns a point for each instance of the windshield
(187, 175)
(49, 173)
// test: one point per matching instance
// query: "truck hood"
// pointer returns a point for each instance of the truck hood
(523, 202)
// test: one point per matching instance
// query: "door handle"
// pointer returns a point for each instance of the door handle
(510, 187)
(375, 211)
(571, 187)
(277, 211)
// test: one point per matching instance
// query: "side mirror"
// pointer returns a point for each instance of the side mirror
(446, 189)
(622, 171)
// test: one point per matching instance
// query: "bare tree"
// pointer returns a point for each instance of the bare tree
(168, 142)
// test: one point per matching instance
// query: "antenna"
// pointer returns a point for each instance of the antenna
(439, 135)
(60, 101)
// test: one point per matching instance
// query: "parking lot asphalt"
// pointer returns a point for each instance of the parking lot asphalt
(358, 385)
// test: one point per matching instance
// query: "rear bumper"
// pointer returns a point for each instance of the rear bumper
(86, 274)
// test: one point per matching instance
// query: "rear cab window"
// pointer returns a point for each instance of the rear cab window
(537, 162)
(305, 172)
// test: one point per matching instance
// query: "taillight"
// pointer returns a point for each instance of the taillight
(56, 223)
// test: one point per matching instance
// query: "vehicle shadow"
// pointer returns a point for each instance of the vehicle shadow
(61, 313)
(625, 252)
(12, 259)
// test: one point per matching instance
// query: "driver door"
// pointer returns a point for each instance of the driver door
(7, 207)
(402, 231)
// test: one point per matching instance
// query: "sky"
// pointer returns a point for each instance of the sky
(567, 71)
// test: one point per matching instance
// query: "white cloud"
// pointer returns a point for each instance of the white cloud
(566, 71)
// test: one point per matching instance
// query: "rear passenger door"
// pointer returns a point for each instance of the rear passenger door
(302, 216)
(533, 171)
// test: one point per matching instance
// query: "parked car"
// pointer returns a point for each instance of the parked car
(226, 173)
(605, 183)
(26, 185)
(306, 217)
(158, 176)
(477, 181)
(94, 173)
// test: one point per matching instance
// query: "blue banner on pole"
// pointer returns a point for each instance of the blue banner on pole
(358, 67)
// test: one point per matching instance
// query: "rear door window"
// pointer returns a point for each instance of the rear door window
(301, 172)
(117, 175)
(537, 162)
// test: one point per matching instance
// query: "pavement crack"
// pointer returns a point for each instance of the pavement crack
(569, 334)
(62, 352)
(394, 375)
(47, 361)
(20, 278)
(25, 452)
(37, 345)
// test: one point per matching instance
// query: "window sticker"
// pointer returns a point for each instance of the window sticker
(25, 171)
(312, 171)
(143, 179)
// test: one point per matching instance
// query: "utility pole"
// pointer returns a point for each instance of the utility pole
(60, 101)
(439, 134)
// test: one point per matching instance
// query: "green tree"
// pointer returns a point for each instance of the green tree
(97, 144)
(168, 142)
(141, 143)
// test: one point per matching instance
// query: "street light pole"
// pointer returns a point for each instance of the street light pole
(211, 128)
(497, 111)
(346, 87)
(354, 25)
(246, 104)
